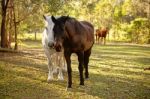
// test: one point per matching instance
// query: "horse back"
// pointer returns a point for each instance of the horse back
(104, 32)
(101, 32)
(89, 30)
(81, 34)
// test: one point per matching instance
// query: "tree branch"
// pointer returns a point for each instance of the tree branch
(27, 15)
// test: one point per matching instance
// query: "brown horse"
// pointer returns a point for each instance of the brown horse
(101, 33)
(75, 37)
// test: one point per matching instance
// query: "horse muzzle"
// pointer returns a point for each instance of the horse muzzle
(58, 48)
(51, 45)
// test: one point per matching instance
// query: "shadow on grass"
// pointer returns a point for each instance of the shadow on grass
(24, 87)
(21, 85)
(128, 53)
(115, 73)
(112, 87)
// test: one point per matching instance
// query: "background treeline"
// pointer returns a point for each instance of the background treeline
(127, 20)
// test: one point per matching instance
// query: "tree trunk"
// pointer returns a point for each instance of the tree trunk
(4, 39)
(10, 19)
(4, 43)
(16, 41)
(16, 32)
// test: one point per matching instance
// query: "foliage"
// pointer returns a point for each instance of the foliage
(113, 14)
(139, 30)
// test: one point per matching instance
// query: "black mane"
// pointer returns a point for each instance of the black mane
(66, 18)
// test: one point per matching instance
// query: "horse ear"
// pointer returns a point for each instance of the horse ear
(44, 17)
(53, 19)
(65, 19)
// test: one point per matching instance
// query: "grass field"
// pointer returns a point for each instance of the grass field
(116, 72)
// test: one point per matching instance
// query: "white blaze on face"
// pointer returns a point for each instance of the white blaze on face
(49, 29)
(48, 34)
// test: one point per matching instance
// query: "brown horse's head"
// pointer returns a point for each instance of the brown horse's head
(59, 31)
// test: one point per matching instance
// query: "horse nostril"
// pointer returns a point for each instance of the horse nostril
(58, 48)
(50, 44)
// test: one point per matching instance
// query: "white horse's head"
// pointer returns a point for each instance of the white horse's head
(48, 35)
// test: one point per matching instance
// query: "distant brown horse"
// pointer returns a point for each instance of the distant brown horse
(101, 33)
(75, 37)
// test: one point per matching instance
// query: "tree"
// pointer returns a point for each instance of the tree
(13, 13)
(4, 39)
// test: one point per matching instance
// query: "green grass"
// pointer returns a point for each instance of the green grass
(116, 72)
(30, 36)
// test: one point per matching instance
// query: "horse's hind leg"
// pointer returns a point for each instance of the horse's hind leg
(81, 61)
(86, 61)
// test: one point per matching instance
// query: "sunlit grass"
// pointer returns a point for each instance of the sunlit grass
(30, 36)
(27, 40)
(116, 72)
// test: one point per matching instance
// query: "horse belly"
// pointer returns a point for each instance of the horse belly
(88, 45)
(89, 41)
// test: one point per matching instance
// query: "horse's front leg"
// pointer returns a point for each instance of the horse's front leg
(69, 70)
(96, 41)
(50, 68)
(81, 61)
(104, 40)
(60, 65)
(101, 40)
(50, 65)
(60, 74)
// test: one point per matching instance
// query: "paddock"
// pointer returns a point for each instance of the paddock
(116, 71)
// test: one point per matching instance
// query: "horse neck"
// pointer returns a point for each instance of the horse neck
(68, 33)
(71, 27)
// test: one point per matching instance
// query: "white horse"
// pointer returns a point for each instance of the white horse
(56, 61)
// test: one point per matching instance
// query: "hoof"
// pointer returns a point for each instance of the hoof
(86, 78)
(60, 79)
(81, 87)
(82, 83)
(65, 68)
(49, 80)
(68, 88)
